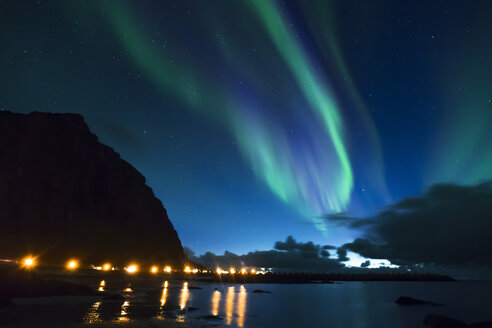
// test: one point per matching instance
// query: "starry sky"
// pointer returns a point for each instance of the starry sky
(253, 120)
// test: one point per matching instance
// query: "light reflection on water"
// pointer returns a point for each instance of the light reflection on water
(164, 294)
(233, 308)
(351, 304)
(215, 303)
(241, 306)
(229, 304)
(183, 298)
(123, 317)
(93, 316)
(101, 286)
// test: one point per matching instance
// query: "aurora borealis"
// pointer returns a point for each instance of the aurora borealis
(259, 118)
(297, 173)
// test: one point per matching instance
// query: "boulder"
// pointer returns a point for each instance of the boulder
(441, 321)
(405, 300)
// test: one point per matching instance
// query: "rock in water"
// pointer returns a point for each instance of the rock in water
(485, 324)
(442, 321)
(405, 300)
(64, 194)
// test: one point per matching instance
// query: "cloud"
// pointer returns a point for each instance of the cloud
(342, 254)
(288, 256)
(449, 225)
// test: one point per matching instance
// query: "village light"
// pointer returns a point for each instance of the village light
(106, 267)
(132, 268)
(187, 269)
(28, 262)
(72, 264)
(167, 269)
(154, 269)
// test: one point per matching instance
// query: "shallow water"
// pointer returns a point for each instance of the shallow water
(350, 304)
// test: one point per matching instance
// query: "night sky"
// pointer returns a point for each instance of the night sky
(256, 120)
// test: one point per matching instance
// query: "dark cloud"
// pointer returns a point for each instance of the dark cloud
(189, 252)
(365, 264)
(342, 254)
(121, 134)
(287, 256)
(449, 225)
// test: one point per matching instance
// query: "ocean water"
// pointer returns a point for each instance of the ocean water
(179, 304)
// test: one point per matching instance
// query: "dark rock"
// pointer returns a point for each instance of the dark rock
(442, 321)
(405, 300)
(484, 324)
(65, 194)
(114, 297)
(212, 317)
(15, 282)
(261, 291)
(5, 301)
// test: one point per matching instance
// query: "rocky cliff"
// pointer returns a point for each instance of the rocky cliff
(64, 194)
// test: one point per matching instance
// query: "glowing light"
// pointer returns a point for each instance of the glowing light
(154, 269)
(166, 284)
(232, 271)
(241, 306)
(253, 271)
(187, 269)
(28, 262)
(229, 304)
(128, 290)
(195, 271)
(72, 264)
(168, 269)
(102, 283)
(243, 271)
(215, 303)
(184, 296)
(219, 271)
(106, 266)
(133, 268)
(100, 289)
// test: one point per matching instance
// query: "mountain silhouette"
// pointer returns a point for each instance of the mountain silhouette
(64, 194)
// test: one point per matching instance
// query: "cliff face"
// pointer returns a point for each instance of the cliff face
(64, 194)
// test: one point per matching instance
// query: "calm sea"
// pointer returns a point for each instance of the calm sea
(179, 304)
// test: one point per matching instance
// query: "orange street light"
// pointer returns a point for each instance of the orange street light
(28, 262)
(72, 264)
